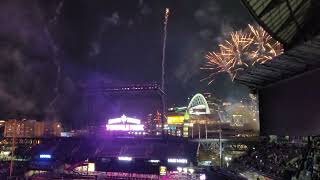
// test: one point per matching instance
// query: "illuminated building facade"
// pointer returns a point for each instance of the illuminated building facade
(32, 128)
(212, 102)
(153, 124)
(242, 114)
(178, 124)
(205, 116)
(2, 123)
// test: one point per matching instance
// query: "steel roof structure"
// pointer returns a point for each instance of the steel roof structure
(293, 62)
(294, 23)
(288, 21)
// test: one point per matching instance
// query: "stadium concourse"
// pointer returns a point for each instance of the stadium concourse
(134, 154)
(120, 157)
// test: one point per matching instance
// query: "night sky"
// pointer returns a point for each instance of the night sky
(113, 41)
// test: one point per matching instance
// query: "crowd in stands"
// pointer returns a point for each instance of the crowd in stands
(4, 169)
(276, 160)
(18, 169)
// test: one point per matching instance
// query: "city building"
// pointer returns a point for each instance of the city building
(187, 121)
(2, 123)
(153, 124)
(205, 116)
(177, 124)
(31, 128)
(213, 102)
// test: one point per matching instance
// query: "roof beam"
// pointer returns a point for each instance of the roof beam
(305, 58)
(280, 69)
(270, 78)
(248, 83)
(248, 77)
(284, 66)
(268, 69)
(272, 4)
(297, 59)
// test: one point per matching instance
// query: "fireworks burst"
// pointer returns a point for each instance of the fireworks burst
(235, 48)
(217, 63)
(241, 50)
(266, 48)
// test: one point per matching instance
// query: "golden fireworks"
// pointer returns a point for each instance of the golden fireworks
(241, 50)
(235, 48)
(219, 64)
(265, 47)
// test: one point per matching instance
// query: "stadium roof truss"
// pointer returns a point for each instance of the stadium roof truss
(295, 24)
(110, 89)
(199, 100)
(302, 58)
(288, 21)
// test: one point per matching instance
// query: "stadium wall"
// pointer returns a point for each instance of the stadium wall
(291, 107)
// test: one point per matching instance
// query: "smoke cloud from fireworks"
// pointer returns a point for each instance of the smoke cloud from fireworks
(55, 50)
(26, 72)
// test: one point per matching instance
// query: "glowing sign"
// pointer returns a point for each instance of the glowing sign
(4, 153)
(124, 158)
(66, 134)
(185, 170)
(175, 119)
(124, 127)
(163, 170)
(45, 156)
(154, 161)
(124, 119)
(181, 161)
(91, 167)
(124, 175)
(121, 124)
(186, 115)
(203, 177)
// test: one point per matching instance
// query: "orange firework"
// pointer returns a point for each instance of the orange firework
(217, 63)
(242, 49)
(236, 47)
(266, 48)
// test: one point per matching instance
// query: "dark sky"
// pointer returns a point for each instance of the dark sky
(114, 41)
(123, 39)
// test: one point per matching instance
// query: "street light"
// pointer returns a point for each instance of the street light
(227, 159)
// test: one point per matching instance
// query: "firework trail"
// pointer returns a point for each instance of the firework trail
(166, 16)
(55, 50)
(241, 50)
(164, 47)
